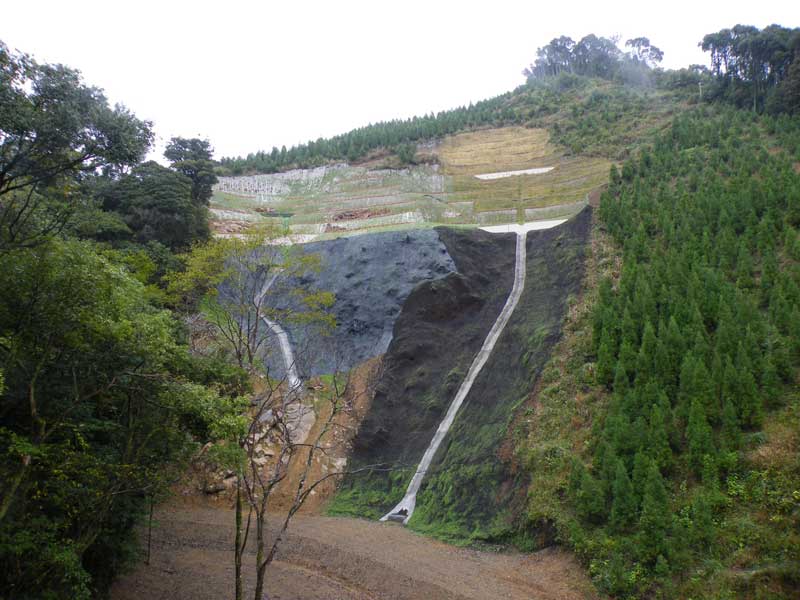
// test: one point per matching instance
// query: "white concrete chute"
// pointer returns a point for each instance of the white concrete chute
(405, 508)
(285, 346)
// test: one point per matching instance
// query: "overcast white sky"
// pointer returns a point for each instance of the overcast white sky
(252, 75)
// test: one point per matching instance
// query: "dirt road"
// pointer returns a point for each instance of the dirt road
(339, 558)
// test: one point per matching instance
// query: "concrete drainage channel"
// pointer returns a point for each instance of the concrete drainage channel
(297, 414)
(405, 508)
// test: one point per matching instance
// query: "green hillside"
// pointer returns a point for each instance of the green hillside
(641, 410)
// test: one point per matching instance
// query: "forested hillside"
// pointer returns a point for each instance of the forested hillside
(596, 57)
(686, 479)
(661, 440)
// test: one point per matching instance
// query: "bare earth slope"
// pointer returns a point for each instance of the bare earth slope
(342, 558)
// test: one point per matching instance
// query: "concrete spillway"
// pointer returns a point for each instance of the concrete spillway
(405, 508)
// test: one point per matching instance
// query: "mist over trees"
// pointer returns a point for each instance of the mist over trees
(594, 56)
(759, 68)
(751, 67)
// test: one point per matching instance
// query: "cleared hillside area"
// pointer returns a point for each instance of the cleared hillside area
(506, 151)
(444, 189)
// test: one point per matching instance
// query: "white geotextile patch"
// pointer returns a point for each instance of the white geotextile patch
(502, 174)
(517, 228)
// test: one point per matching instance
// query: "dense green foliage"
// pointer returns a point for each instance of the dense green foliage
(192, 158)
(756, 68)
(100, 400)
(698, 343)
(156, 204)
(56, 131)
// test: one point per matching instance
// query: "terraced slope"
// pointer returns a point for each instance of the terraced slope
(332, 200)
(466, 155)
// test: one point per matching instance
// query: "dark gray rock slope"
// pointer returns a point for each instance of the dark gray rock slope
(371, 276)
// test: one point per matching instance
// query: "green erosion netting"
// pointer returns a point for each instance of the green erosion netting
(441, 327)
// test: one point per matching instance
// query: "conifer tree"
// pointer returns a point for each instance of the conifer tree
(695, 384)
(641, 462)
(770, 381)
(605, 361)
(658, 447)
(663, 361)
(698, 436)
(751, 407)
(621, 381)
(744, 267)
(702, 530)
(627, 357)
(590, 499)
(730, 434)
(727, 333)
(717, 378)
(630, 331)
(623, 506)
(655, 515)
(700, 347)
(646, 359)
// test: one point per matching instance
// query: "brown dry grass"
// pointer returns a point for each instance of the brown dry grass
(514, 148)
(782, 447)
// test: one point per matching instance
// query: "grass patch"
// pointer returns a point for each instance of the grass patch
(514, 148)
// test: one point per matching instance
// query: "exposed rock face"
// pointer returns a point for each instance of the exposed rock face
(371, 276)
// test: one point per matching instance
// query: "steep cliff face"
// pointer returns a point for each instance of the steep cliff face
(469, 492)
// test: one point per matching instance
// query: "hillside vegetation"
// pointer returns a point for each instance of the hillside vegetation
(677, 471)
(659, 439)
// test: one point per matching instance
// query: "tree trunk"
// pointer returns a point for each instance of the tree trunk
(11, 490)
(149, 531)
(261, 564)
(238, 550)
